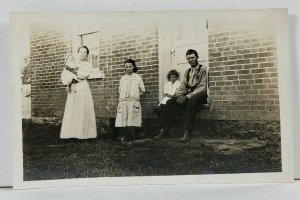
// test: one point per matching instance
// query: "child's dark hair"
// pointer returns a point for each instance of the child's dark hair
(172, 72)
(135, 69)
(85, 47)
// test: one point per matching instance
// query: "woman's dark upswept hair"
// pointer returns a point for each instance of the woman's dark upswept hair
(135, 69)
(172, 72)
(87, 49)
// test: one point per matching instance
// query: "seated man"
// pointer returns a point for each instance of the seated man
(190, 95)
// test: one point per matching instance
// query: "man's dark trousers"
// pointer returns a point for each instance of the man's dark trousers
(173, 109)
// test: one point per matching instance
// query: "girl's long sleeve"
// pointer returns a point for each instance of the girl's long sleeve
(142, 86)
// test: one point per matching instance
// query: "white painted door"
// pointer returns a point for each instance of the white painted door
(190, 34)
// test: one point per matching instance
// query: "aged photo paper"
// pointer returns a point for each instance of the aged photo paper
(151, 97)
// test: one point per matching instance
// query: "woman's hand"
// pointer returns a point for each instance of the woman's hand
(68, 89)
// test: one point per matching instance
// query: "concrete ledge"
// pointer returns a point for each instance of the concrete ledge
(205, 106)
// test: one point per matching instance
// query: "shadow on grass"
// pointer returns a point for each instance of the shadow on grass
(47, 157)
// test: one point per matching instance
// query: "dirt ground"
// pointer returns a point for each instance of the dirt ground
(47, 157)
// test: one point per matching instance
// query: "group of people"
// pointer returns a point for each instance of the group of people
(79, 117)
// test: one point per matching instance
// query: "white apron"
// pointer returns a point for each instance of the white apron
(129, 111)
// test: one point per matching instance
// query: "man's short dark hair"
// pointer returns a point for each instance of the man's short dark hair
(191, 51)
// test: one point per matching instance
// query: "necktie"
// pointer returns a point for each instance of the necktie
(192, 76)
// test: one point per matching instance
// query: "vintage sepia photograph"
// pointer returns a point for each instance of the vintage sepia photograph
(143, 97)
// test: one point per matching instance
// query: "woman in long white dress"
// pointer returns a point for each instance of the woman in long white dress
(79, 119)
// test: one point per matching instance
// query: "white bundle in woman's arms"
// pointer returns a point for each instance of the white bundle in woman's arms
(67, 76)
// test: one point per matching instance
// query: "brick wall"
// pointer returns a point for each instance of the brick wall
(49, 43)
(243, 70)
(118, 43)
(242, 67)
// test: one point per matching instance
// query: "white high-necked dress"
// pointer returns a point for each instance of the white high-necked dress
(129, 111)
(79, 119)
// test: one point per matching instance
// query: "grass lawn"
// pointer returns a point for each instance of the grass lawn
(47, 157)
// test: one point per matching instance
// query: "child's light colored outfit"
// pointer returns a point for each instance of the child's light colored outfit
(79, 119)
(170, 89)
(66, 76)
(129, 112)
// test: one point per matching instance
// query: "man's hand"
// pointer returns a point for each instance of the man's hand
(181, 99)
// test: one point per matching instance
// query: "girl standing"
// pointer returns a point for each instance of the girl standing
(129, 113)
(79, 119)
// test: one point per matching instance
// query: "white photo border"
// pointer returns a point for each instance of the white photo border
(284, 75)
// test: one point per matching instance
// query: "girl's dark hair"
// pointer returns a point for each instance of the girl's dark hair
(191, 51)
(172, 72)
(87, 49)
(135, 69)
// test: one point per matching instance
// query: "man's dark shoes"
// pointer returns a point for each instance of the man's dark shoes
(164, 133)
(186, 136)
(123, 140)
